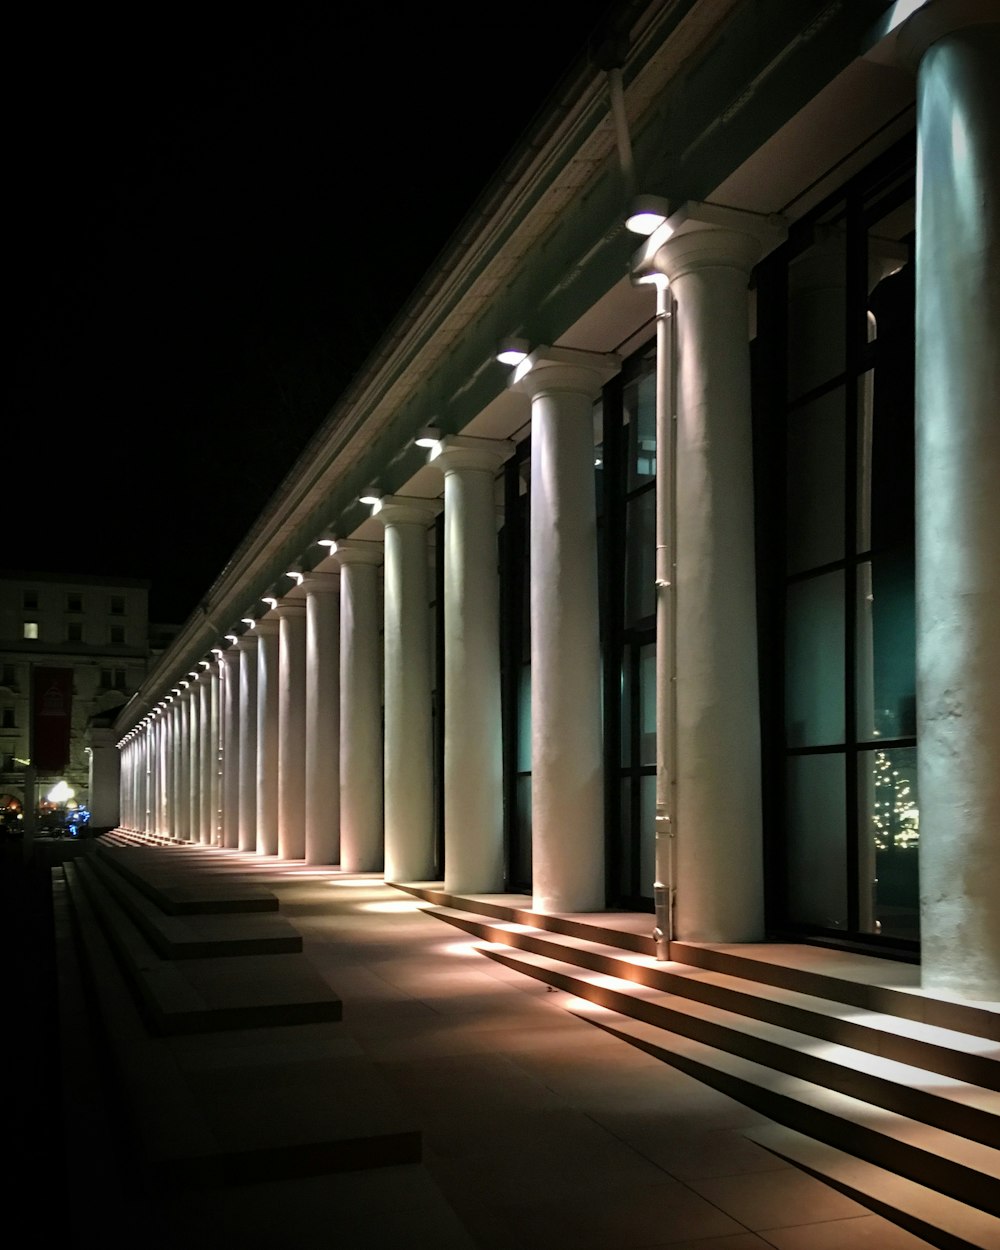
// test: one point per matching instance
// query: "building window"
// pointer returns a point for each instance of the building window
(8, 676)
(74, 602)
(117, 605)
(113, 679)
(30, 600)
(7, 761)
(117, 635)
(74, 631)
(31, 629)
(7, 719)
(836, 516)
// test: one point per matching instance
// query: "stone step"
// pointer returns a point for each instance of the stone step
(239, 1106)
(965, 1171)
(178, 889)
(195, 935)
(972, 1061)
(200, 995)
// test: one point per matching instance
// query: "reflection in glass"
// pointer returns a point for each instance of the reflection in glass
(886, 659)
(626, 843)
(647, 835)
(522, 861)
(626, 714)
(647, 703)
(640, 418)
(889, 834)
(817, 283)
(815, 482)
(817, 880)
(524, 720)
(640, 557)
(814, 646)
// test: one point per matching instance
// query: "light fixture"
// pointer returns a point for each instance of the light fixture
(269, 600)
(185, 684)
(217, 651)
(646, 214)
(511, 351)
(248, 621)
(296, 576)
(370, 495)
(329, 542)
(429, 436)
(232, 637)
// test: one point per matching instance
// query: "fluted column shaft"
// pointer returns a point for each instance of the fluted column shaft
(267, 735)
(473, 744)
(719, 854)
(291, 616)
(322, 773)
(956, 51)
(409, 755)
(361, 843)
(567, 754)
(247, 819)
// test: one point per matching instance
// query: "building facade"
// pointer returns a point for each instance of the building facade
(73, 649)
(695, 608)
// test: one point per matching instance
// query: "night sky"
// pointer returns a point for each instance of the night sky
(188, 270)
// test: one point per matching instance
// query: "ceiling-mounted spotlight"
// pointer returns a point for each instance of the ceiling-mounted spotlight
(370, 495)
(647, 213)
(429, 436)
(511, 351)
(269, 600)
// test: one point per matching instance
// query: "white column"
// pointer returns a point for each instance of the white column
(567, 754)
(291, 614)
(230, 689)
(473, 744)
(194, 761)
(719, 853)
(247, 647)
(322, 781)
(267, 735)
(208, 758)
(409, 748)
(182, 815)
(956, 48)
(361, 846)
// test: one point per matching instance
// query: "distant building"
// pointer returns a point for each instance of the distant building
(73, 648)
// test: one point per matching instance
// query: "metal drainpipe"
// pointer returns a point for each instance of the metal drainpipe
(664, 886)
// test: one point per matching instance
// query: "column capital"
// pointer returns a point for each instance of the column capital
(407, 510)
(702, 235)
(289, 609)
(321, 583)
(246, 642)
(267, 624)
(549, 370)
(358, 551)
(936, 19)
(456, 451)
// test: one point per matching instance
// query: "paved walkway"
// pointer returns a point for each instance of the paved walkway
(540, 1132)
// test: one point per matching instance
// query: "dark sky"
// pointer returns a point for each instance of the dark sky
(189, 271)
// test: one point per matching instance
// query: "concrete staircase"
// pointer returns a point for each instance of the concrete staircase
(224, 1043)
(886, 1093)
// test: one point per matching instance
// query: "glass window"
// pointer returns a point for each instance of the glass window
(117, 635)
(640, 420)
(814, 649)
(815, 482)
(74, 631)
(31, 629)
(817, 290)
(640, 557)
(30, 600)
(817, 874)
(889, 838)
(647, 704)
(7, 719)
(117, 605)
(8, 677)
(74, 602)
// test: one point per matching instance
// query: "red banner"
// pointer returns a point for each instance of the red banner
(51, 717)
